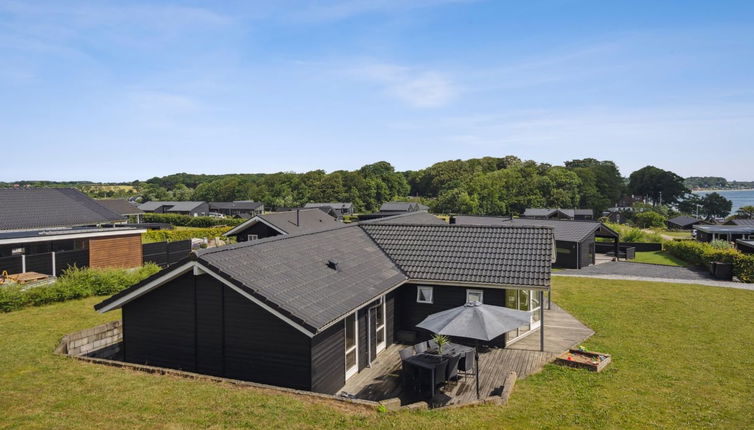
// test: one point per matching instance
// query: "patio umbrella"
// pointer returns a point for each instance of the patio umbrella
(475, 321)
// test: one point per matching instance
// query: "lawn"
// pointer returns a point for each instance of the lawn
(658, 257)
(673, 367)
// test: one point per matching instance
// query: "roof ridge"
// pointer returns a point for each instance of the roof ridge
(511, 226)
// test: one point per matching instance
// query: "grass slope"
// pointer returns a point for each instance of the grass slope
(682, 355)
(658, 257)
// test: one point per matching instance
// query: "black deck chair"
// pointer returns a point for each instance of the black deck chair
(466, 364)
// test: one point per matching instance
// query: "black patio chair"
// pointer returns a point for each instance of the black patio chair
(452, 370)
(466, 364)
(420, 347)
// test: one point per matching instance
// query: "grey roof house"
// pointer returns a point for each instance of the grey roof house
(46, 229)
(311, 310)
(567, 214)
(730, 233)
(237, 209)
(683, 222)
(283, 223)
(400, 207)
(338, 208)
(122, 207)
(574, 240)
(190, 208)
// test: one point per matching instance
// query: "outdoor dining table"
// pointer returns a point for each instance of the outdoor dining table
(430, 360)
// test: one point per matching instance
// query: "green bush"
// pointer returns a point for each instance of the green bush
(702, 253)
(191, 221)
(633, 234)
(649, 219)
(74, 283)
(176, 235)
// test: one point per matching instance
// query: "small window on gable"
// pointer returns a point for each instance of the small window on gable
(253, 237)
(424, 295)
(474, 296)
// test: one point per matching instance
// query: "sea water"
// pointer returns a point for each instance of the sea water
(738, 197)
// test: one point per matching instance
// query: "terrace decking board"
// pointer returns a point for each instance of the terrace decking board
(382, 380)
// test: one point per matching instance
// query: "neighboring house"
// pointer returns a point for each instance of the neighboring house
(407, 218)
(179, 208)
(237, 209)
(277, 223)
(47, 229)
(683, 222)
(740, 221)
(338, 208)
(745, 246)
(730, 233)
(400, 207)
(122, 207)
(574, 240)
(310, 311)
(565, 214)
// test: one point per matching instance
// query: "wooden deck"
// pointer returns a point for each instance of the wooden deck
(382, 380)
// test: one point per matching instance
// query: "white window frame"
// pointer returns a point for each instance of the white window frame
(381, 346)
(431, 294)
(480, 292)
(355, 369)
(251, 237)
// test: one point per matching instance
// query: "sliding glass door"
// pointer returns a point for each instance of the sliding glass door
(524, 300)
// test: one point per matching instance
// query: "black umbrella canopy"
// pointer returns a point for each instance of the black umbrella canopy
(475, 321)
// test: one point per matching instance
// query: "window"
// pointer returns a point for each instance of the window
(474, 296)
(252, 237)
(424, 295)
(351, 345)
(563, 251)
(17, 251)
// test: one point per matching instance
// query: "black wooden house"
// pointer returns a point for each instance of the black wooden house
(308, 311)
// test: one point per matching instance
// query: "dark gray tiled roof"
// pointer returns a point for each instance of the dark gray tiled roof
(550, 211)
(725, 229)
(120, 206)
(240, 205)
(309, 220)
(292, 272)
(419, 217)
(399, 207)
(334, 205)
(684, 220)
(476, 254)
(737, 221)
(479, 220)
(34, 208)
(185, 206)
(569, 231)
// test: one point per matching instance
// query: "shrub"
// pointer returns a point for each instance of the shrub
(74, 283)
(701, 253)
(176, 235)
(650, 219)
(632, 234)
(191, 221)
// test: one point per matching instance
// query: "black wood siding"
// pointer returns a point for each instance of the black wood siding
(260, 229)
(390, 318)
(362, 346)
(158, 328)
(566, 254)
(263, 348)
(209, 325)
(328, 359)
(199, 324)
(410, 313)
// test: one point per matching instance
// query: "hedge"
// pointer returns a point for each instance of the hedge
(702, 254)
(176, 235)
(74, 283)
(191, 221)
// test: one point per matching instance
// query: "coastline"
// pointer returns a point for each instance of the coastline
(707, 190)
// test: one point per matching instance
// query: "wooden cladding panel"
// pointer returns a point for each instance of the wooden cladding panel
(118, 251)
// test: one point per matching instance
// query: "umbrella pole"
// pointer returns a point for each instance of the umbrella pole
(476, 357)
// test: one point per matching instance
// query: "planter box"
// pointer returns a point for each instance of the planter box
(594, 361)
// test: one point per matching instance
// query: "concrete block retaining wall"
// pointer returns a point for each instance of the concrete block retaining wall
(87, 341)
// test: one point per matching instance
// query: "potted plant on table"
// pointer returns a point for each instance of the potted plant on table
(440, 340)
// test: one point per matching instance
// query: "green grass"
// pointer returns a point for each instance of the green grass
(682, 358)
(658, 257)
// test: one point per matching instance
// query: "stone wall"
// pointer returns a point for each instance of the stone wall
(87, 341)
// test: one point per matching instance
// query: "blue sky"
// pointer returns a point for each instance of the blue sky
(116, 91)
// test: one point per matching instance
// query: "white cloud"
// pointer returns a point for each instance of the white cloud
(417, 88)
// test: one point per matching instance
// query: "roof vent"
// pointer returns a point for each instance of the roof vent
(332, 264)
